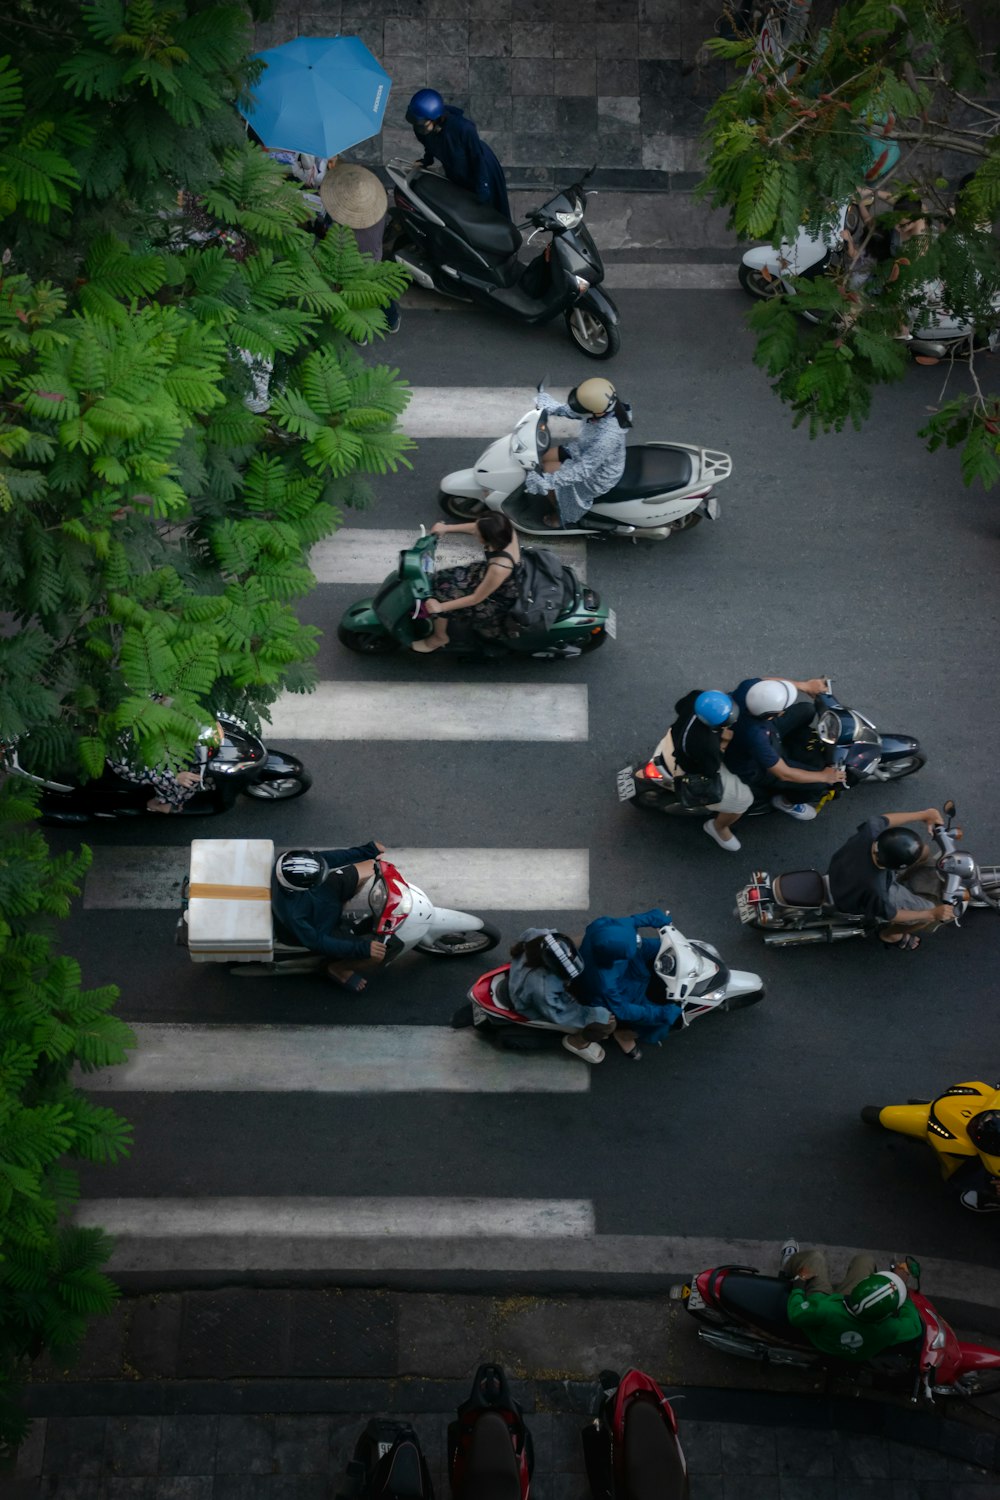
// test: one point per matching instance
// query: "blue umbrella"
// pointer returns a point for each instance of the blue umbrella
(318, 94)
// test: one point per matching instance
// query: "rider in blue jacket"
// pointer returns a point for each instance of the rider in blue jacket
(309, 889)
(449, 137)
(618, 968)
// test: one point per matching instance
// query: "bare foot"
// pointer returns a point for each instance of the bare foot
(160, 807)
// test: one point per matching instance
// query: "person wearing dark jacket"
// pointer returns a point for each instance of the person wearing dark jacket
(309, 888)
(617, 970)
(694, 746)
(449, 137)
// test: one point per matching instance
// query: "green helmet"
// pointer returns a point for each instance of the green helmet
(876, 1298)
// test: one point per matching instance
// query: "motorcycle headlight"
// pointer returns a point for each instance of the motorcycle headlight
(377, 896)
(230, 767)
(572, 219)
(865, 732)
(828, 727)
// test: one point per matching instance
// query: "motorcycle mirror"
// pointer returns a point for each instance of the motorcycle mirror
(543, 382)
(949, 808)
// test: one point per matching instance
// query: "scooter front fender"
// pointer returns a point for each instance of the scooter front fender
(906, 1119)
(764, 258)
(896, 746)
(600, 304)
(742, 982)
(444, 920)
(462, 482)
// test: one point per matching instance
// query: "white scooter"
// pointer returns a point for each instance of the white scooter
(691, 973)
(386, 907)
(666, 487)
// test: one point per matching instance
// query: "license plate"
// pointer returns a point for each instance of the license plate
(611, 625)
(626, 785)
(712, 508)
(746, 908)
(694, 1299)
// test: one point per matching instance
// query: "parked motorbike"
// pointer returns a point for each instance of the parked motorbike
(489, 1447)
(686, 972)
(386, 907)
(847, 737)
(796, 907)
(743, 1312)
(944, 1124)
(388, 1464)
(239, 762)
(631, 1448)
(392, 619)
(666, 487)
(449, 243)
(936, 333)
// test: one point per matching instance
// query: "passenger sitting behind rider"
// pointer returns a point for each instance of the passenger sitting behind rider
(694, 744)
(485, 591)
(768, 713)
(865, 1314)
(870, 876)
(309, 888)
(542, 983)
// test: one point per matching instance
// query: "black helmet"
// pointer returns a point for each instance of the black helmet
(898, 848)
(300, 869)
(984, 1132)
(560, 956)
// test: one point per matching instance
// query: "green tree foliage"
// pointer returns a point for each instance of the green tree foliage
(791, 141)
(183, 414)
(50, 1277)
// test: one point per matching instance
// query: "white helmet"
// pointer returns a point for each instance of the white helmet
(770, 696)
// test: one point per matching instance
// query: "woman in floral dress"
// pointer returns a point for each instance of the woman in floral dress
(484, 591)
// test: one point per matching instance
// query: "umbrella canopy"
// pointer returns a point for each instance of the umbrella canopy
(319, 95)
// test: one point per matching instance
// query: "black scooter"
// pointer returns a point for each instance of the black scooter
(387, 1465)
(489, 1448)
(239, 763)
(449, 243)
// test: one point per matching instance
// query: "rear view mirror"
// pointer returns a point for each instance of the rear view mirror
(949, 808)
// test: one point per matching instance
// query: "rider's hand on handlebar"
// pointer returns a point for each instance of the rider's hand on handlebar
(817, 685)
(933, 817)
(377, 950)
(834, 775)
(946, 913)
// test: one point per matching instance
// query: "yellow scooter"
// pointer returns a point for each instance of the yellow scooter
(962, 1126)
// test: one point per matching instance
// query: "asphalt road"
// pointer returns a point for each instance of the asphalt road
(857, 555)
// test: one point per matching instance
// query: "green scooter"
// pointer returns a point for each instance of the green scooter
(391, 620)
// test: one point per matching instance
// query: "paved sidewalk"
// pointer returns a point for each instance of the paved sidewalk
(245, 1393)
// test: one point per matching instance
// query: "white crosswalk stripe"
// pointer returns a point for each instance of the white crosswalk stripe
(355, 555)
(373, 711)
(330, 1060)
(149, 878)
(485, 411)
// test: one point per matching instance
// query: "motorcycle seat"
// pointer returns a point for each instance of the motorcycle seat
(762, 1300)
(482, 226)
(649, 471)
(404, 1479)
(653, 1462)
(493, 1471)
(802, 888)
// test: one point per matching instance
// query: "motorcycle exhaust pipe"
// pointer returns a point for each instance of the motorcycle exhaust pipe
(811, 935)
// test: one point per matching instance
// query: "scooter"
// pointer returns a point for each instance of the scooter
(388, 1464)
(451, 244)
(666, 487)
(489, 1447)
(394, 619)
(796, 907)
(687, 972)
(847, 737)
(239, 762)
(944, 1124)
(936, 334)
(631, 1448)
(745, 1313)
(386, 907)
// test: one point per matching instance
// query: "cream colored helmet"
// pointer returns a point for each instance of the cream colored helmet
(596, 396)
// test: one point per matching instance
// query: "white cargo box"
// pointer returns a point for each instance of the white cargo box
(229, 900)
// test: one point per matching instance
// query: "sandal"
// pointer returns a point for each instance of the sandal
(553, 522)
(354, 983)
(909, 943)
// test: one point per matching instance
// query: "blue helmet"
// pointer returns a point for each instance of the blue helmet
(425, 106)
(715, 709)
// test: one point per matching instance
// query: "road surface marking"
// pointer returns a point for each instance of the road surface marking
(353, 555)
(374, 711)
(331, 1060)
(149, 878)
(484, 411)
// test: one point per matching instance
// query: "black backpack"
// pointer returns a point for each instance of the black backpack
(543, 591)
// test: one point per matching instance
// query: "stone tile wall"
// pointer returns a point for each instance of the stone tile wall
(552, 84)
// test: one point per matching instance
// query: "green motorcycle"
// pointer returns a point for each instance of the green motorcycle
(392, 619)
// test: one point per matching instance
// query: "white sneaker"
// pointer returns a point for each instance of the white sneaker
(804, 811)
(788, 1249)
(592, 1053)
(732, 843)
(979, 1205)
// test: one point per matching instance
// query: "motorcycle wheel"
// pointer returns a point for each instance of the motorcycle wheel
(740, 1002)
(979, 1382)
(693, 518)
(458, 944)
(905, 766)
(461, 508)
(284, 789)
(646, 801)
(591, 335)
(870, 1115)
(367, 642)
(756, 284)
(462, 1018)
(594, 642)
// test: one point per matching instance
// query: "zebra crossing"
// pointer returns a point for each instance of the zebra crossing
(247, 1063)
